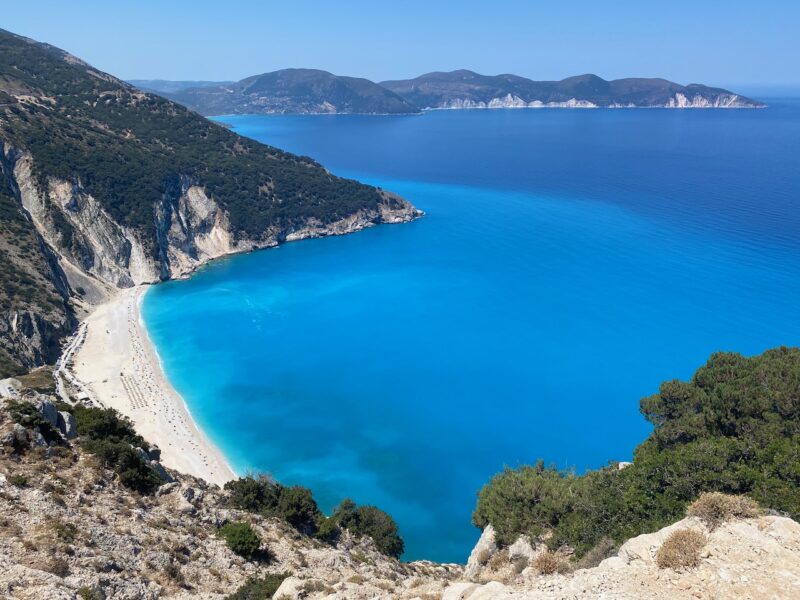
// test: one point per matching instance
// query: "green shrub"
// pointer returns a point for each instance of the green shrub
(87, 593)
(296, 505)
(66, 532)
(372, 522)
(259, 588)
(18, 480)
(264, 496)
(734, 428)
(133, 471)
(27, 415)
(527, 500)
(241, 539)
(111, 438)
(105, 424)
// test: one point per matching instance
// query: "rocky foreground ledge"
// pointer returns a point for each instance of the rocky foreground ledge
(69, 530)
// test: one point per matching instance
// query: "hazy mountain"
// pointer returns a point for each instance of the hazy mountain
(466, 89)
(293, 91)
(165, 86)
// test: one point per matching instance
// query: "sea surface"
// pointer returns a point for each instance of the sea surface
(569, 261)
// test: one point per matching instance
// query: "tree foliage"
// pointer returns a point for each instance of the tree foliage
(372, 522)
(263, 495)
(241, 538)
(113, 440)
(296, 505)
(733, 428)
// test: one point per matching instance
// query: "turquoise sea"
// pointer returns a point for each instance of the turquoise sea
(569, 261)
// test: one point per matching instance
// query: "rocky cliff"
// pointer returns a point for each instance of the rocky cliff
(110, 187)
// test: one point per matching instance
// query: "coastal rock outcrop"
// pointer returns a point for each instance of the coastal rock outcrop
(750, 558)
(98, 253)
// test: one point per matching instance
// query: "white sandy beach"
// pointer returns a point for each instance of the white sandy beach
(119, 365)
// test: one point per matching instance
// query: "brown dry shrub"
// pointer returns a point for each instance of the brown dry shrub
(716, 508)
(57, 566)
(483, 556)
(681, 550)
(548, 563)
(498, 560)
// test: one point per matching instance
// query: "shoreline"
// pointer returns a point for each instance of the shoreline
(120, 367)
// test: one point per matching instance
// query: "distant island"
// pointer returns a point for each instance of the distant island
(311, 91)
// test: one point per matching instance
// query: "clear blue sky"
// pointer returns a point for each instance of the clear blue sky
(715, 42)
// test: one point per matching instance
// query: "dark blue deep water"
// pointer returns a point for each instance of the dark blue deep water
(569, 262)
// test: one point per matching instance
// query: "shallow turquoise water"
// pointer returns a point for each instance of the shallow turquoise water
(569, 261)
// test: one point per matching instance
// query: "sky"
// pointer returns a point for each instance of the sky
(704, 41)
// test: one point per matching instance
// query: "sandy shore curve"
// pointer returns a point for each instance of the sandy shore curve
(119, 367)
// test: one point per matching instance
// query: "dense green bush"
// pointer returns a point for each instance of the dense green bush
(105, 424)
(264, 496)
(259, 588)
(372, 522)
(27, 415)
(296, 505)
(734, 428)
(112, 439)
(241, 538)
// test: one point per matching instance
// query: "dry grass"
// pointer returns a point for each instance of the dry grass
(483, 556)
(40, 380)
(681, 550)
(715, 508)
(498, 560)
(548, 563)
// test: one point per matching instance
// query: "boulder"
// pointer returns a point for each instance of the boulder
(167, 488)
(522, 548)
(292, 588)
(48, 411)
(67, 425)
(161, 471)
(154, 452)
(481, 553)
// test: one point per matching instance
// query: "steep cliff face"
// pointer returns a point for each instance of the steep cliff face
(723, 100)
(35, 312)
(111, 187)
(191, 229)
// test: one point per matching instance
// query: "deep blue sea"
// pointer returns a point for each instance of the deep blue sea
(569, 261)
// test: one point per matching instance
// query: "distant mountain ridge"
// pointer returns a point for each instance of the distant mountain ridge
(166, 86)
(304, 91)
(310, 91)
(466, 89)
